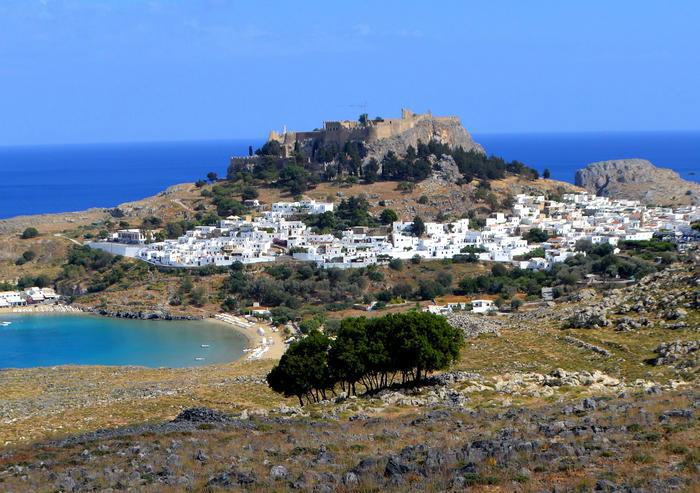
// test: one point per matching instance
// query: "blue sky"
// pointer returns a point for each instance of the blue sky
(106, 71)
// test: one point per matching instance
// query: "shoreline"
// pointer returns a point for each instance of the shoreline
(269, 346)
(45, 309)
(250, 338)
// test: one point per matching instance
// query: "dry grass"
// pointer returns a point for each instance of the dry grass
(647, 451)
(44, 402)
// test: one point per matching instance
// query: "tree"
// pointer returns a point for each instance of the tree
(373, 352)
(371, 171)
(325, 221)
(303, 369)
(270, 148)
(536, 235)
(499, 270)
(354, 211)
(418, 226)
(546, 174)
(174, 230)
(212, 177)
(250, 150)
(388, 216)
(151, 222)
(350, 357)
(515, 304)
(295, 178)
(396, 264)
(422, 342)
(198, 296)
(249, 193)
(30, 233)
(363, 119)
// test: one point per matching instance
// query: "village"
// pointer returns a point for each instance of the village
(16, 300)
(280, 232)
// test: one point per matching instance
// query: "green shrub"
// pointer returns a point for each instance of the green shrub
(30, 233)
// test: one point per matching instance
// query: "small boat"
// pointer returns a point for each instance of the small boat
(204, 345)
(199, 359)
(4, 324)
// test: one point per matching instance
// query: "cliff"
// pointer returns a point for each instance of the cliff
(637, 179)
(447, 131)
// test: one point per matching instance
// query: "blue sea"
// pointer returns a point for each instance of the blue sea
(63, 178)
(39, 179)
(564, 153)
(68, 339)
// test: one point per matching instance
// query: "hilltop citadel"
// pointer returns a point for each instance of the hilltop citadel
(340, 132)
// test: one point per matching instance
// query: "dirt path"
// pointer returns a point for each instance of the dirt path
(59, 235)
(181, 204)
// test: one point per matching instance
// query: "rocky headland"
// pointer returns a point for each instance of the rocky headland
(446, 131)
(637, 179)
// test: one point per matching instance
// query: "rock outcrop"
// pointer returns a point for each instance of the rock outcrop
(637, 179)
(445, 131)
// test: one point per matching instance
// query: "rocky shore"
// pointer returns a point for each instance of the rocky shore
(141, 315)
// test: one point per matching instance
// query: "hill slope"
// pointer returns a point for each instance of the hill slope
(637, 179)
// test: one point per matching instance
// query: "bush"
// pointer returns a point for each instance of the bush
(388, 216)
(515, 304)
(198, 296)
(30, 233)
(396, 264)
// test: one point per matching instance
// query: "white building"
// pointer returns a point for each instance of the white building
(482, 306)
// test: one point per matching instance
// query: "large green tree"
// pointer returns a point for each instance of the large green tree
(373, 352)
(303, 370)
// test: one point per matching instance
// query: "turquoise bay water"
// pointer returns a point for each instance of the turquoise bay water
(61, 339)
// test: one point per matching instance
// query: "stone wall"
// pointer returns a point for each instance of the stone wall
(379, 136)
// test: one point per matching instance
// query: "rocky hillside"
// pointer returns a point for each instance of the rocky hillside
(645, 443)
(637, 179)
(595, 393)
(447, 132)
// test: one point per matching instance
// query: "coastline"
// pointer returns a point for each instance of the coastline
(268, 346)
(46, 309)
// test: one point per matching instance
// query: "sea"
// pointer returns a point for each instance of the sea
(61, 178)
(33, 340)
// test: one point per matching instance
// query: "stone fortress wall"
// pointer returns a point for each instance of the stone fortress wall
(342, 131)
(379, 136)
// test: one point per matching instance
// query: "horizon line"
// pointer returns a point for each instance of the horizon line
(258, 139)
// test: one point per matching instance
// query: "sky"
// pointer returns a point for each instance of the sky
(77, 71)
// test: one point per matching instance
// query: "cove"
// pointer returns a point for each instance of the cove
(33, 340)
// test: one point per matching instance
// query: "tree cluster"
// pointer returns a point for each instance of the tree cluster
(598, 260)
(99, 268)
(372, 353)
(351, 212)
(327, 162)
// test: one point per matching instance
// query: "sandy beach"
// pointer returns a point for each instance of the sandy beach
(269, 346)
